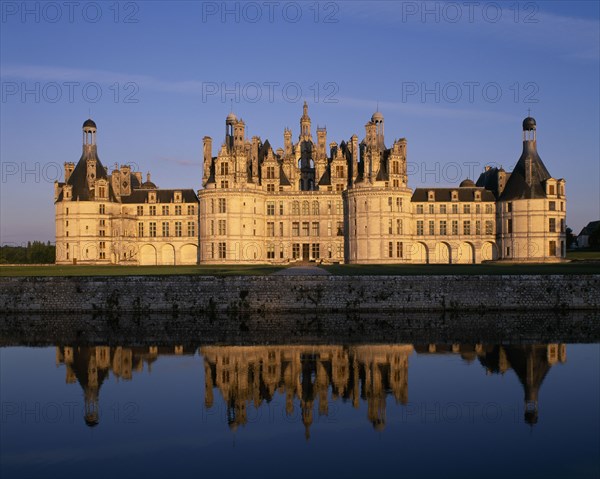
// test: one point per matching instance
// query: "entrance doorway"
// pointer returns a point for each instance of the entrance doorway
(305, 252)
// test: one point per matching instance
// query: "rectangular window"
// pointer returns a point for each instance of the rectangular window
(509, 207)
(399, 204)
(222, 250)
(140, 211)
(454, 209)
(270, 251)
(270, 228)
(281, 208)
(191, 228)
(329, 228)
(431, 209)
(165, 228)
(339, 207)
(398, 227)
(315, 228)
(212, 251)
(431, 227)
(552, 205)
(455, 227)
(212, 227)
(295, 208)
(340, 228)
(562, 225)
(178, 229)
(552, 225)
(466, 209)
(295, 228)
(489, 209)
(552, 192)
(315, 208)
(222, 205)
(489, 227)
(420, 227)
(305, 228)
(339, 171)
(509, 226)
(270, 172)
(391, 249)
(390, 227)
(477, 208)
(152, 210)
(316, 251)
(152, 229)
(467, 227)
(270, 208)
(390, 204)
(399, 249)
(140, 230)
(420, 209)
(102, 223)
(191, 210)
(178, 209)
(222, 227)
(101, 209)
(280, 228)
(165, 210)
(552, 248)
(296, 250)
(271, 188)
(443, 228)
(477, 227)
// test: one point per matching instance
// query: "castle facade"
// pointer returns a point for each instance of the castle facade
(308, 201)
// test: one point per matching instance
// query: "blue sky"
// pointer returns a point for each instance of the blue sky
(454, 78)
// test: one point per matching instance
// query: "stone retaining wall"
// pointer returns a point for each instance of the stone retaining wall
(262, 294)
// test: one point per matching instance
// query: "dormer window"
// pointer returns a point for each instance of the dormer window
(454, 196)
(178, 197)
(430, 196)
(152, 197)
(478, 196)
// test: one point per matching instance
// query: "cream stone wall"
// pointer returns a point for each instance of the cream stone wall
(533, 230)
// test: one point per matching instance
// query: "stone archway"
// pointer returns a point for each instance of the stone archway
(147, 255)
(489, 251)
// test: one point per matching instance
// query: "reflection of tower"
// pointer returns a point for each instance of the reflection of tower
(82, 364)
(91, 365)
(531, 363)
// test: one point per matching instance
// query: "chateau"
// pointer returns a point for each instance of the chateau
(303, 203)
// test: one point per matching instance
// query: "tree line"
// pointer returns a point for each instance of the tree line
(36, 252)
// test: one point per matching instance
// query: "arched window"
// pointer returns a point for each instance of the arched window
(224, 168)
(315, 208)
(296, 208)
(305, 208)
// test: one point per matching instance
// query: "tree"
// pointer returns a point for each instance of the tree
(570, 237)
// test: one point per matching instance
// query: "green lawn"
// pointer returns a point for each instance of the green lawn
(447, 269)
(575, 267)
(84, 270)
(582, 255)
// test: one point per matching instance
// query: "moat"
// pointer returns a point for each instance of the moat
(432, 395)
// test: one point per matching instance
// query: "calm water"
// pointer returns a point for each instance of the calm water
(301, 410)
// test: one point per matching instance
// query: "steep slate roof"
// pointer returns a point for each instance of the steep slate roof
(162, 196)
(590, 228)
(78, 179)
(516, 186)
(445, 194)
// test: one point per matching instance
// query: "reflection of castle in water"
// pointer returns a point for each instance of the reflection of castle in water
(251, 374)
(90, 366)
(247, 375)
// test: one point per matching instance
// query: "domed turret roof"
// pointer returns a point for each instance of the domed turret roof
(377, 116)
(148, 185)
(466, 183)
(529, 124)
(89, 123)
(231, 117)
